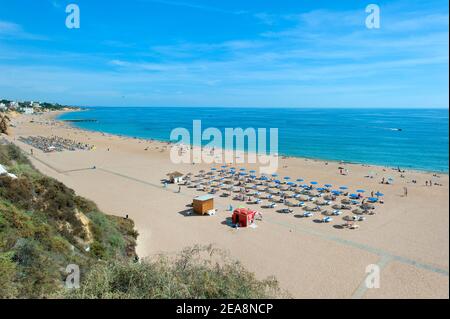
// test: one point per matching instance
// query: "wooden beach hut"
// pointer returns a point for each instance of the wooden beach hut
(203, 204)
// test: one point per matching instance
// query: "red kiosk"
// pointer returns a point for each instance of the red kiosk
(243, 217)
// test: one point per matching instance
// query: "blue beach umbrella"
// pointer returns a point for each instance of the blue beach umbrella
(242, 169)
(360, 191)
(373, 199)
(277, 181)
(274, 175)
(313, 183)
(287, 178)
(328, 185)
(343, 187)
(335, 192)
(223, 166)
(300, 180)
(321, 189)
(252, 171)
(214, 169)
(379, 194)
(253, 176)
(290, 183)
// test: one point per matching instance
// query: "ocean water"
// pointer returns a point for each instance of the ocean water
(367, 136)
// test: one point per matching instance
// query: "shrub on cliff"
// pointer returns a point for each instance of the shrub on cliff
(198, 272)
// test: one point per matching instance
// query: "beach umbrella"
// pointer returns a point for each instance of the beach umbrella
(274, 175)
(321, 189)
(343, 187)
(360, 191)
(252, 171)
(328, 185)
(213, 169)
(379, 194)
(313, 183)
(300, 180)
(277, 181)
(290, 183)
(242, 173)
(335, 192)
(253, 176)
(242, 169)
(287, 178)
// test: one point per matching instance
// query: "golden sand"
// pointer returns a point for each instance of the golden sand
(408, 237)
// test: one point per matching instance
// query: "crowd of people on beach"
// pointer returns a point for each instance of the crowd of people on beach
(55, 144)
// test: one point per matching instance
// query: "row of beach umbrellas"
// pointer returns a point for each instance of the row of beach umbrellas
(243, 172)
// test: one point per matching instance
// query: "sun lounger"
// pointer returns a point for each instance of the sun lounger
(327, 219)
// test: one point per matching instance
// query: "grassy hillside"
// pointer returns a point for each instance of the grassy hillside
(45, 226)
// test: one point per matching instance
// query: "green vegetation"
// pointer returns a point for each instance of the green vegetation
(45, 226)
(198, 272)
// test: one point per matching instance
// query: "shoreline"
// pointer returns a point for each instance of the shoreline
(280, 155)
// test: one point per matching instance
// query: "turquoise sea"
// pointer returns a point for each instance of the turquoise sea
(369, 136)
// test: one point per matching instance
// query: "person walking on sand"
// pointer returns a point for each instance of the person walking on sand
(179, 189)
(405, 190)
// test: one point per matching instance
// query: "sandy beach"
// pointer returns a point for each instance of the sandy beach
(408, 237)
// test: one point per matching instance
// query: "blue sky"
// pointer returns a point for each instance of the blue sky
(252, 53)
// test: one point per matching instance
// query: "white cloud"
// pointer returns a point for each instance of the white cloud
(10, 30)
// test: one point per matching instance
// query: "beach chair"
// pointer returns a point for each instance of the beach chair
(327, 219)
(308, 214)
